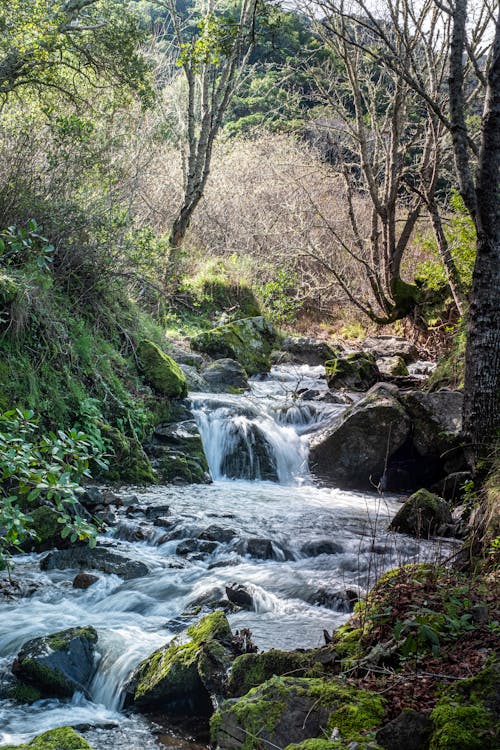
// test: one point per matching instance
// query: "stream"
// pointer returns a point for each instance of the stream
(300, 549)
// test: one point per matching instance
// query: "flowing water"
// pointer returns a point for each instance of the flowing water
(318, 543)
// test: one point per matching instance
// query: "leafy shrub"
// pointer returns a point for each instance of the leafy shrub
(47, 468)
(279, 298)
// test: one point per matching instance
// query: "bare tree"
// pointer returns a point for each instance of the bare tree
(213, 61)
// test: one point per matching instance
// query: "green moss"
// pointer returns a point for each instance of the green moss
(214, 625)
(357, 370)
(422, 514)
(250, 670)
(249, 341)
(466, 716)
(24, 693)
(129, 463)
(62, 738)
(161, 371)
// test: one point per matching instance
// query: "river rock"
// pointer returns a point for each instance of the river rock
(62, 738)
(258, 547)
(94, 559)
(356, 371)
(181, 679)
(351, 452)
(84, 580)
(190, 546)
(60, 663)
(216, 533)
(251, 456)
(161, 372)
(238, 594)
(390, 346)
(392, 366)
(249, 341)
(410, 730)
(437, 419)
(321, 547)
(195, 381)
(225, 376)
(289, 710)
(307, 351)
(177, 453)
(421, 515)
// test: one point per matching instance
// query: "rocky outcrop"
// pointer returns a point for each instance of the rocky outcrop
(177, 453)
(181, 678)
(225, 376)
(249, 341)
(62, 738)
(421, 515)
(352, 452)
(98, 558)
(390, 346)
(356, 371)
(58, 664)
(161, 372)
(288, 710)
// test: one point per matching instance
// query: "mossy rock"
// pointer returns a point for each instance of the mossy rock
(161, 372)
(58, 664)
(129, 463)
(249, 341)
(9, 289)
(357, 371)
(181, 677)
(421, 515)
(250, 670)
(289, 710)
(178, 454)
(467, 715)
(323, 744)
(62, 738)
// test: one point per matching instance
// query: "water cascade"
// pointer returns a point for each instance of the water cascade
(296, 547)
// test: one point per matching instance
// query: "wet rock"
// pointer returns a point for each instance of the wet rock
(260, 548)
(182, 678)
(177, 453)
(190, 546)
(12, 588)
(321, 547)
(155, 511)
(60, 663)
(251, 456)
(422, 515)
(249, 341)
(84, 580)
(224, 563)
(390, 366)
(225, 376)
(327, 397)
(164, 522)
(437, 419)
(307, 351)
(217, 534)
(340, 600)
(239, 594)
(288, 710)
(390, 346)
(356, 371)
(352, 451)
(62, 738)
(94, 559)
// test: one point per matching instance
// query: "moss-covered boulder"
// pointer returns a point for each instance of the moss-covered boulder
(249, 341)
(289, 710)
(467, 715)
(181, 678)
(161, 372)
(62, 738)
(177, 453)
(422, 515)
(250, 670)
(352, 451)
(357, 371)
(58, 664)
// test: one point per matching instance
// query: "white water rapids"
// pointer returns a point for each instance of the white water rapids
(295, 595)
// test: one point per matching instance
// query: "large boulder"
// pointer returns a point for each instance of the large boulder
(392, 366)
(287, 710)
(60, 663)
(356, 371)
(195, 382)
(302, 350)
(352, 451)
(390, 346)
(62, 738)
(182, 678)
(251, 456)
(421, 515)
(177, 453)
(161, 372)
(249, 341)
(225, 376)
(99, 558)
(437, 419)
